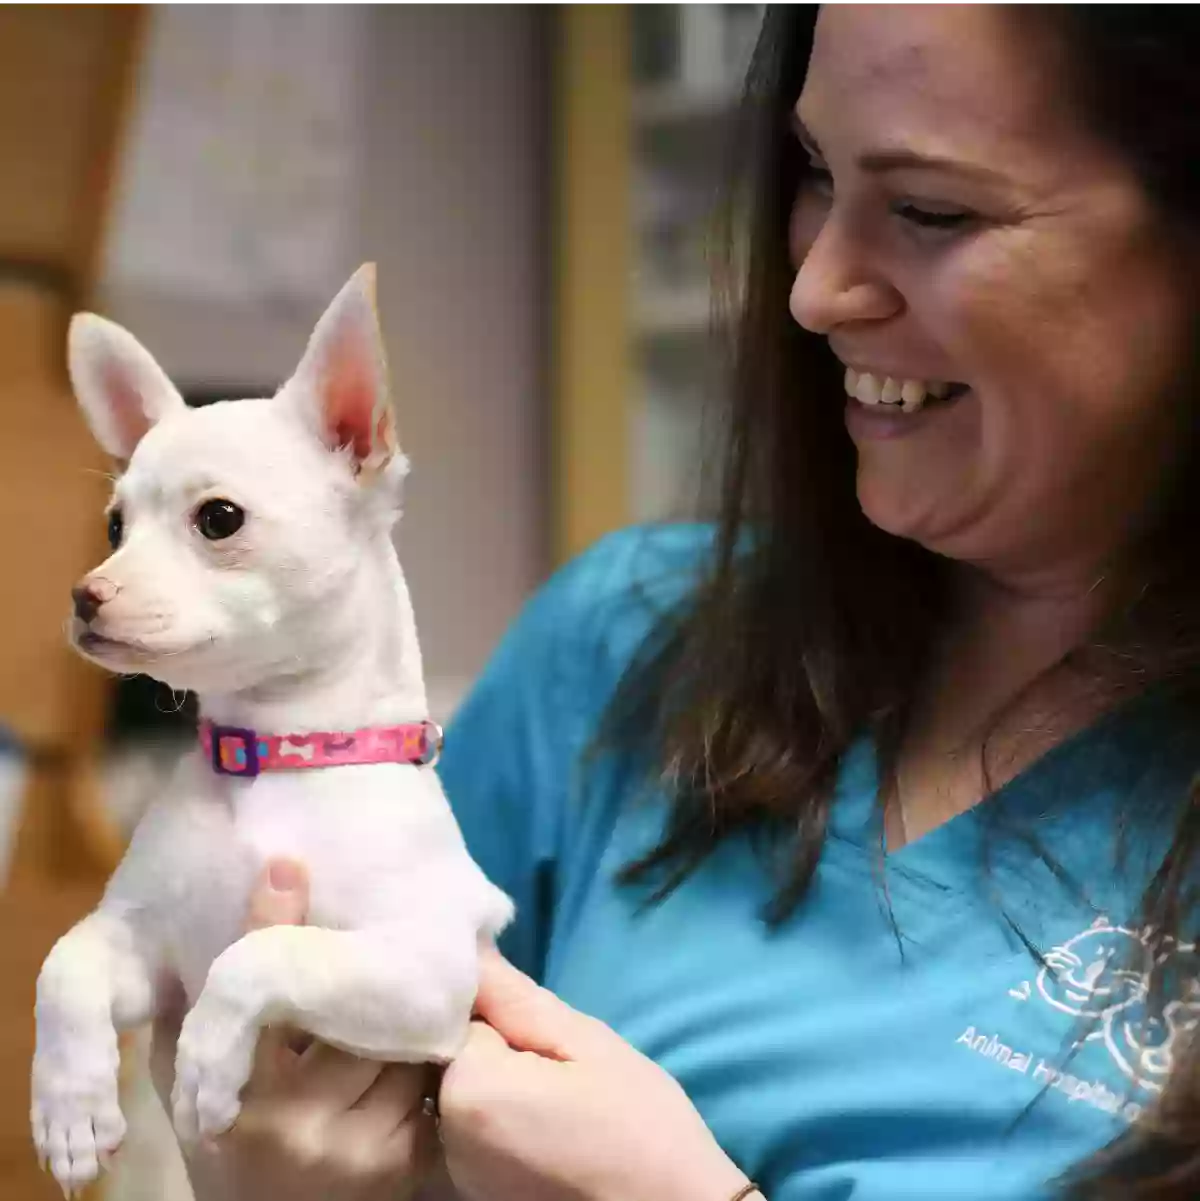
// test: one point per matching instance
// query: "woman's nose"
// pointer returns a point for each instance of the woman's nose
(836, 285)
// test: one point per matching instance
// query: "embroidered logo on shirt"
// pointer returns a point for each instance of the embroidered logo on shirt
(1104, 973)
(1101, 979)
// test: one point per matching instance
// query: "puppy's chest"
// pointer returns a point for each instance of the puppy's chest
(269, 820)
(352, 846)
(353, 831)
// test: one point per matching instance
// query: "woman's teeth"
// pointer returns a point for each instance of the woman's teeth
(907, 395)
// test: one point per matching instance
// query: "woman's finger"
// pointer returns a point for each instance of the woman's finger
(335, 1079)
(386, 1137)
(484, 1040)
(531, 1018)
(169, 1009)
(396, 1096)
(415, 1149)
(280, 896)
(477, 1079)
(392, 1127)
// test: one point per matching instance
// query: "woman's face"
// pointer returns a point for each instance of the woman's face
(1013, 322)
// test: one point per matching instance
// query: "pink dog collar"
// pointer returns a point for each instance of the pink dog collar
(234, 751)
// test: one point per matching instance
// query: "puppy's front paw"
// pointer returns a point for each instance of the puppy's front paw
(76, 1114)
(213, 1061)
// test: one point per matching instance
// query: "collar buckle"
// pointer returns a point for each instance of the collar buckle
(234, 751)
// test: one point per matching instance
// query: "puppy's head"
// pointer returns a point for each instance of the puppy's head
(238, 530)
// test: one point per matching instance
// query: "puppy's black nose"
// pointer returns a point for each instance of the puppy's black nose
(87, 602)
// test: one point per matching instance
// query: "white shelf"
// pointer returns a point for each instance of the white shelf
(676, 104)
(661, 311)
(668, 454)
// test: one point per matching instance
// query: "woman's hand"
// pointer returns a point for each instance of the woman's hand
(316, 1124)
(546, 1104)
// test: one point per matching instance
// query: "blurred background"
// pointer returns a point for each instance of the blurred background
(538, 187)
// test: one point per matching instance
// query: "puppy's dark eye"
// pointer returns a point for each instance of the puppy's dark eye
(116, 528)
(217, 519)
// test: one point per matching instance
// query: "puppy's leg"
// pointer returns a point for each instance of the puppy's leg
(97, 981)
(396, 994)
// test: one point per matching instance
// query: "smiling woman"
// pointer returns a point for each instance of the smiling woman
(1035, 277)
(981, 589)
(984, 589)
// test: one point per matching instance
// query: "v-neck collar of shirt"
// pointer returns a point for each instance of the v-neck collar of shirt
(1069, 802)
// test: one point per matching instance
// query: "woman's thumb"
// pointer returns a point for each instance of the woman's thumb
(280, 898)
(531, 1018)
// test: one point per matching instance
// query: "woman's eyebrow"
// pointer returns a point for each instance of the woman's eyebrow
(886, 159)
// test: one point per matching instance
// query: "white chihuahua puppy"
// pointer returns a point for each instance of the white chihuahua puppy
(253, 563)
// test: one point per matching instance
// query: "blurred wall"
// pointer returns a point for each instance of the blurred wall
(452, 207)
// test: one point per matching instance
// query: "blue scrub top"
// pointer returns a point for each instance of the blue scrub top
(919, 1053)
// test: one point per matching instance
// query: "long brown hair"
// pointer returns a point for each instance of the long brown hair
(747, 698)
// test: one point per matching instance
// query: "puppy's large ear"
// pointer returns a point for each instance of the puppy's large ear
(120, 388)
(342, 380)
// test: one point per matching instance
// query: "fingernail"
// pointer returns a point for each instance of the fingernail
(285, 876)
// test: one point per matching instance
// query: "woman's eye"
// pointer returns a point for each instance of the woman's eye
(924, 218)
(218, 519)
(818, 177)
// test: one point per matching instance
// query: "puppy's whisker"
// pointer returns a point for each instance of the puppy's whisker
(176, 705)
(104, 475)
